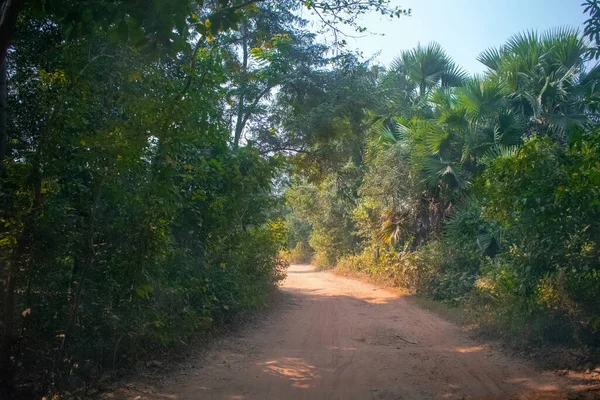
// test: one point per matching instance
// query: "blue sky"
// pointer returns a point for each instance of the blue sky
(463, 27)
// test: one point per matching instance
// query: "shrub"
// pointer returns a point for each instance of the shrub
(545, 198)
(395, 268)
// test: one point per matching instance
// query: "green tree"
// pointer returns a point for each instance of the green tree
(546, 79)
(428, 67)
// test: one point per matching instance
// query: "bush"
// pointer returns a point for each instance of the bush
(543, 284)
(122, 271)
(389, 266)
(521, 252)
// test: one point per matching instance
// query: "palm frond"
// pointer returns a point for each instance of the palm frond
(491, 58)
(453, 76)
(429, 66)
(499, 151)
(441, 172)
(481, 97)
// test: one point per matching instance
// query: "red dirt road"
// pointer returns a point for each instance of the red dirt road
(337, 338)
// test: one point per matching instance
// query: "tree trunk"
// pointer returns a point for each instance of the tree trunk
(6, 366)
(87, 263)
(3, 111)
(240, 120)
(9, 15)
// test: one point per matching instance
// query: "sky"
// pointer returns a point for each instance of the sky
(464, 28)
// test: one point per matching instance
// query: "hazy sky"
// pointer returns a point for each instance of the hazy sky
(463, 27)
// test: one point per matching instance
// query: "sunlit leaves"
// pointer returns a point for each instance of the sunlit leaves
(540, 75)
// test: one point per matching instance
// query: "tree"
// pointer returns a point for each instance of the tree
(546, 79)
(9, 15)
(429, 67)
(592, 25)
(271, 48)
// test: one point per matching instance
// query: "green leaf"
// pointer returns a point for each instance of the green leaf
(144, 291)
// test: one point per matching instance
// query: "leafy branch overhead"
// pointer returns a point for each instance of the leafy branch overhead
(158, 25)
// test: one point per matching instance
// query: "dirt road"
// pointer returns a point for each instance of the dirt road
(337, 338)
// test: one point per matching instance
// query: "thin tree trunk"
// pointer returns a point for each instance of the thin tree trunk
(240, 120)
(9, 15)
(3, 143)
(3, 110)
(6, 365)
(86, 267)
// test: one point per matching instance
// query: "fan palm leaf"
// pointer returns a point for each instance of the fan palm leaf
(428, 67)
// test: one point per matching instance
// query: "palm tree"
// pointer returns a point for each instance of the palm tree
(429, 67)
(545, 79)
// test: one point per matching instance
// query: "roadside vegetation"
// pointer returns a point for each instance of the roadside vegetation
(138, 204)
(478, 191)
(162, 161)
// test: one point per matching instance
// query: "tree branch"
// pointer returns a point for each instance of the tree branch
(188, 81)
(283, 148)
(255, 103)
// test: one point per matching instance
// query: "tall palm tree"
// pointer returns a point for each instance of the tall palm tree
(429, 67)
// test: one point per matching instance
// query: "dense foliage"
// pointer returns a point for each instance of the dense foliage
(160, 162)
(138, 176)
(479, 191)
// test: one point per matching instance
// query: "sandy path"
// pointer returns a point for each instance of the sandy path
(337, 338)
